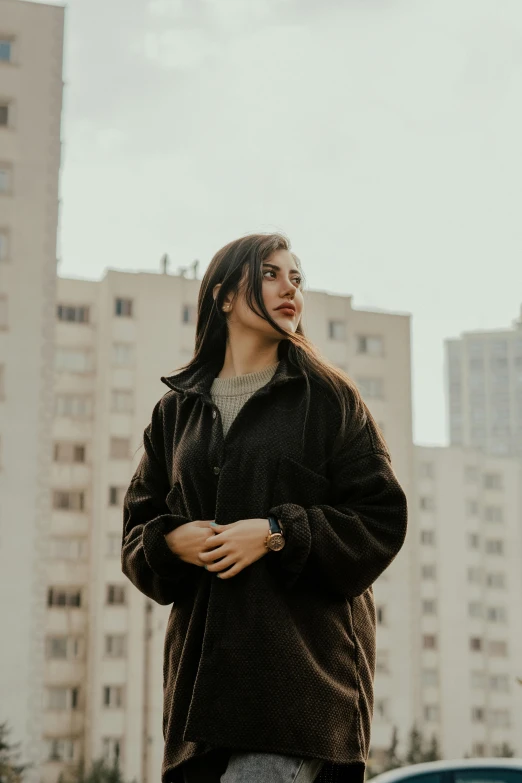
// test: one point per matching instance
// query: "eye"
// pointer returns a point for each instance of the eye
(269, 272)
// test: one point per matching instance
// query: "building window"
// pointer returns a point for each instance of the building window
(112, 747)
(189, 314)
(75, 406)
(381, 615)
(113, 544)
(471, 474)
(429, 606)
(123, 354)
(69, 500)
(119, 448)
(113, 696)
(373, 346)
(474, 574)
(492, 481)
(337, 330)
(371, 388)
(382, 661)
(60, 698)
(427, 503)
(116, 495)
(62, 749)
(472, 508)
(3, 312)
(123, 307)
(475, 644)
(479, 750)
(427, 470)
(500, 719)
(499, 682)
(2, 382)
(429, 641)
(64, 596)
(73, 359)
(64, 647)
(4, 114)
(493, 514)
(428, 537)
(6, 178)
(478, 680)
(121, 401)
(69, 452)
(66, 548)
(428, 571)
(478, 714)
(475, 609)
(430, 677)
(431, 712)
(115, 645)
(78, 314)
(494, 546)
(497, 614)
(116, 595)
(4, 244)
(497, 649)
(496, 579)
(473, 540)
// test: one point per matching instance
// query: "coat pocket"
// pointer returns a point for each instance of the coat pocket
(296, 483)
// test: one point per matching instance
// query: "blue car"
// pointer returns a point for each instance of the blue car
(477, 770)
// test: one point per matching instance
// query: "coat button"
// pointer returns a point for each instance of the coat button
(216, 470)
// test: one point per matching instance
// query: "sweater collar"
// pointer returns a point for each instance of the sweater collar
(199, 380)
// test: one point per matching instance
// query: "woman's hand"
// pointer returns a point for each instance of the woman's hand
(186, 541)
(239, 544)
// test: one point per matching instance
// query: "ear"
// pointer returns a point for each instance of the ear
(215, 290)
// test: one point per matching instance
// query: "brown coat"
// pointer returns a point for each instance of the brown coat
(279, 658)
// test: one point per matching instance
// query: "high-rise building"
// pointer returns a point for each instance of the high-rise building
(484, 390)
(31, 42)
(104, 639)
(470, 594)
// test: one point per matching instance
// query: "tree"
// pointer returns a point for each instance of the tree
(392, 760)
(432, 753)
(99, 772)
(415, 753)
(10, 769)
(506, 751)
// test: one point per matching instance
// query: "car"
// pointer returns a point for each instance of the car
(476, 770)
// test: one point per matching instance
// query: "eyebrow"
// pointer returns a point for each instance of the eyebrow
(278, 268)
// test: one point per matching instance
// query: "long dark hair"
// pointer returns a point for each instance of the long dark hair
(227, 267)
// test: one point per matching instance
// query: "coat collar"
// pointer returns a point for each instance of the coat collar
(199, 380)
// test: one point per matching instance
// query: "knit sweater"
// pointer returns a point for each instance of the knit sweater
(230, 394)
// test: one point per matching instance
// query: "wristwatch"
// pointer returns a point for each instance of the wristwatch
(275, 540)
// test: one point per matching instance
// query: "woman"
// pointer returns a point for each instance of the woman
(263, 509)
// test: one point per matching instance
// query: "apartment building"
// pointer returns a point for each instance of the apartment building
(483, 373)
(31, 42)
(470, 539)
(104, 640)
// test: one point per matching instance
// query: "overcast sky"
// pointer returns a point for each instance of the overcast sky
(383, 136)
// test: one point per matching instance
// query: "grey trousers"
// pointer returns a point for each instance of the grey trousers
(252, 768)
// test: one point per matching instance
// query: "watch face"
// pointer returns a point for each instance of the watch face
(277, 542)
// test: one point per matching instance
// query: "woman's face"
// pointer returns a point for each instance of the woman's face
(281, 286)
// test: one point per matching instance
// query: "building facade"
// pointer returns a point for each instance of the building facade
(104, 640)
(470, 531)
(484, 388)
(31, 44)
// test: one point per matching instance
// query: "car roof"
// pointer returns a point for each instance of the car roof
(447, 764)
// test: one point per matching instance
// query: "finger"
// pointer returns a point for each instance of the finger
(231, 571)
(213, 541)
(226, 562)
(210, 556)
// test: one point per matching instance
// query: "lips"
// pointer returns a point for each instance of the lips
(286, 308)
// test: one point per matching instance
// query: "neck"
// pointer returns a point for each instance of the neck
(248, 354)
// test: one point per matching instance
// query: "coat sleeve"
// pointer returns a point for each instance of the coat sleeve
(348, 544)
(146, 558)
